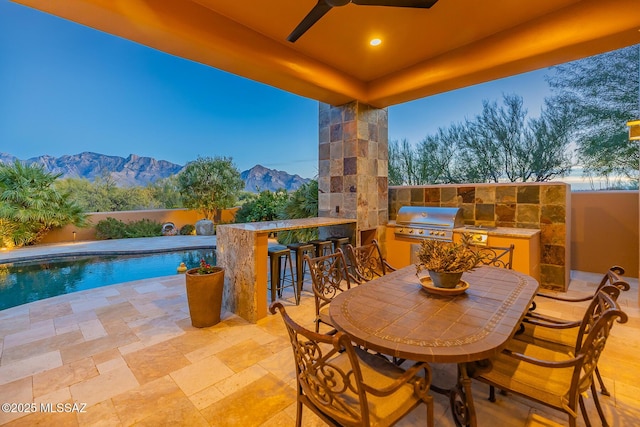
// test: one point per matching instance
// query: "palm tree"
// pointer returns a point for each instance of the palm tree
(30, 206)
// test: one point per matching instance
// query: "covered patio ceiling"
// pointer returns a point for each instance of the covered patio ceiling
(454, 44)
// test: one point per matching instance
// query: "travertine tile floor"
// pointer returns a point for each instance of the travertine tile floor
(129, 353)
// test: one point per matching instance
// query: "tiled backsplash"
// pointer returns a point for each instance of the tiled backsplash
(543, 206)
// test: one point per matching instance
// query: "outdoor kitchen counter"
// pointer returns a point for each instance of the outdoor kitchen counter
(518, 233)
(495, 231)
(526, 241)
(242, 252)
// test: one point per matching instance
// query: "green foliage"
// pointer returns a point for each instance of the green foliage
(144, 228)
(103, 195)
(187, 230)
(112, 228)
(499, 144)
(30, 205)
(165, 193)
(444, 256)
(264, 207)
(210, 184)
(601, 94)
(302, 203)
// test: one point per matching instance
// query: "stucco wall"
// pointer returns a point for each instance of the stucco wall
(179, 217)
(604, 231)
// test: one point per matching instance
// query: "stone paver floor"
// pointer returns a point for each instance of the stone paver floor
(127, 354)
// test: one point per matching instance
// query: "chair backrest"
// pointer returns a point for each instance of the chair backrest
(366, 262)
(328, 380)
(604, 299)
(612, 277)
(495, 256)
(593, 345)
(329, 277)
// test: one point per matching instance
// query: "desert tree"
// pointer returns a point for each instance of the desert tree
(601, 94)
(209, 185)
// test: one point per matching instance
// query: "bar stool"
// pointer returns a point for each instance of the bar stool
(299, 249)
(323, 247)
(339, 242)
(278, 254)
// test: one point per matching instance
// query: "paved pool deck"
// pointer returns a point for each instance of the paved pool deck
(108, 247)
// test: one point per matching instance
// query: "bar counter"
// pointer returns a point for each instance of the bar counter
(242, 252)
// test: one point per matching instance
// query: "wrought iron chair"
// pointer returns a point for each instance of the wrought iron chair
(329, 277)
(496, 256)
(366, 262)
(347, 386)
(561, 335)
(554, 377)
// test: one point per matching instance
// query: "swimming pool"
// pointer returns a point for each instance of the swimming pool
(28, 281)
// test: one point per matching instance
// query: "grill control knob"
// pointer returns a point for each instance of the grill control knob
(421, 231)
(431, 233)
(411, 231)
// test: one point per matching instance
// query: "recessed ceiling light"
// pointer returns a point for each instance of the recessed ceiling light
(375, 42)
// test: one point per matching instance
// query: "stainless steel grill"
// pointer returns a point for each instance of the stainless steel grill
(423, 222)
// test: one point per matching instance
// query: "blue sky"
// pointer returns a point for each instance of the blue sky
(65, 89)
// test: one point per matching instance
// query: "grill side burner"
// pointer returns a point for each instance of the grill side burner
(423, 222)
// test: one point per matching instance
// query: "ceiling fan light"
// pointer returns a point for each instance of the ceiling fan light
(375, 42)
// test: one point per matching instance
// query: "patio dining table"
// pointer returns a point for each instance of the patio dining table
(396, 316)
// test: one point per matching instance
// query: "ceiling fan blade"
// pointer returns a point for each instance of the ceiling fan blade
(312, 17)
(424, 4)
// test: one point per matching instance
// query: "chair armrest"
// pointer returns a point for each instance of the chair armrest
(408, 376)
(569, 363)
(565, 299)
(357, 278)
(550, 322)
(389, 266)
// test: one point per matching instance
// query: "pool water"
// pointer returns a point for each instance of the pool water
(29, 281)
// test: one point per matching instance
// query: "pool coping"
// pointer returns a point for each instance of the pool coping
(130, 246)
(101, 252)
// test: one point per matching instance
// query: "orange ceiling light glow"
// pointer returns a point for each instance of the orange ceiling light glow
(375, 42)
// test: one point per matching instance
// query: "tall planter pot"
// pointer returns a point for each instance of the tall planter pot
(204, 295)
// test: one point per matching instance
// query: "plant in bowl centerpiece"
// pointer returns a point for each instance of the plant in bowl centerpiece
(446, 261)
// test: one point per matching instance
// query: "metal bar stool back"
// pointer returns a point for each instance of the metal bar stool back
(278, 272)
(299, 250)
(323, 247)
(339, 242)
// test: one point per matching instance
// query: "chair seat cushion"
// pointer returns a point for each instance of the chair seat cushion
(323, 315)
(556, 339)
(378, 372)
(548, 385)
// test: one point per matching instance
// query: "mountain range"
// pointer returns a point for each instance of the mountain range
(136, 170)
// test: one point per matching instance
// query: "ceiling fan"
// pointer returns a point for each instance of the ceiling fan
(323, 6)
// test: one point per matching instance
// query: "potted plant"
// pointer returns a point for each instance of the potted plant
(446, 261)
(205, 285)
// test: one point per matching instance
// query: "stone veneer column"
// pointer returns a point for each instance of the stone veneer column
(353, 165)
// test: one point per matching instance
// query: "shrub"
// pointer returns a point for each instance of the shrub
(264, 207)
(187, 230)
(112, 228)
(144, 228)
